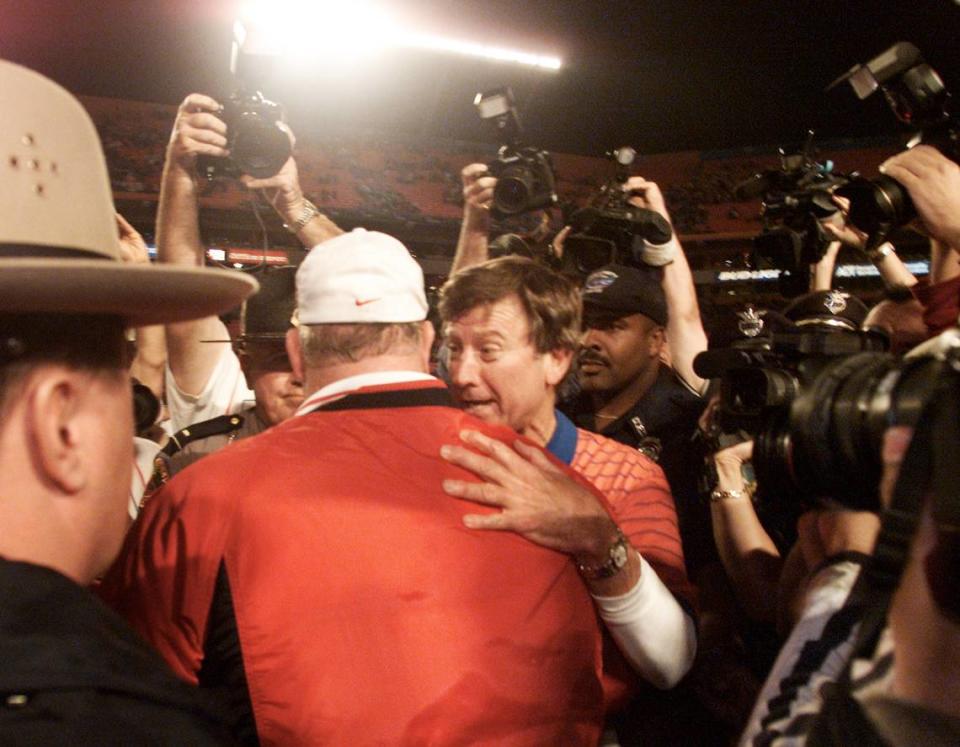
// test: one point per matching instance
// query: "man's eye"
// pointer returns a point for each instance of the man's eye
(489, 351)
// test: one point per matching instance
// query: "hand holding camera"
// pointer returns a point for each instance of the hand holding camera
(478, 189)
(646, 194)
(933, 181)
(197, 131)
(282, 189)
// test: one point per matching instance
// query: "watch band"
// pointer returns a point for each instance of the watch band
(309, 212)
(876, 255)
(617, 556)
(727, 495)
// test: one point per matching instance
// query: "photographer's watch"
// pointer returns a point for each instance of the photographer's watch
(309, 212)
(617, 556)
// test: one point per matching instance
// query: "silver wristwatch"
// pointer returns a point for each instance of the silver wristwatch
(309, 212)
(617, 556)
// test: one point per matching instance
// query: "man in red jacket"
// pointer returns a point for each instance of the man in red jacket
(318, 575)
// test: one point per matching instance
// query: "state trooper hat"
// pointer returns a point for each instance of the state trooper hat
(59, 245)
(266, 315)
(828, 308)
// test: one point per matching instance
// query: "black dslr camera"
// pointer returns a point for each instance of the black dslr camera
(795, 199)
(258, 144)
(612, 231)
(919, 99)
(525, 179)
(817, 403)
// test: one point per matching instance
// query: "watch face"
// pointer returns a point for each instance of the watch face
(618, 555)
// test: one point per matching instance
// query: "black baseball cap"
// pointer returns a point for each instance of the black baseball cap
(626, 290)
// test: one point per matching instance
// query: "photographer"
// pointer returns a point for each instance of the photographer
(205, 379)
(903, 690)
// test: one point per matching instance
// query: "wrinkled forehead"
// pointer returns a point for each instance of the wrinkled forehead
(505, 317)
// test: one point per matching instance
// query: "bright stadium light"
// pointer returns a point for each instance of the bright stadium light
(472, 49)
(351, 29)
(331, 29)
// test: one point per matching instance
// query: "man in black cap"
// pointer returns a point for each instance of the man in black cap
(629, 394)
(215, 396)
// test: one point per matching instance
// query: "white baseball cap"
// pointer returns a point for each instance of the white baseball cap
(361, 277)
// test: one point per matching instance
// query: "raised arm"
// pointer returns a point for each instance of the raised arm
(749, 556)
(685, 334)
(821, 273)
(151, 355)
(196, 131)
(472, 244)
(884, 257)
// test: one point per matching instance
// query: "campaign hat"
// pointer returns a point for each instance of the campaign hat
(59, 243)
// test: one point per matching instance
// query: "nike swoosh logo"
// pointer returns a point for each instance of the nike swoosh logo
(358, 302)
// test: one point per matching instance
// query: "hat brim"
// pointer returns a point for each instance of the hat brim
(139, 294)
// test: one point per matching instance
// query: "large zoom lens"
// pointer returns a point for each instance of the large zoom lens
(259, 147)
(515, 185)
(826, 448)
(877, 204)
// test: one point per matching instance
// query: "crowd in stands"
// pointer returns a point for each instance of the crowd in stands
(541, 507)
(422, 182)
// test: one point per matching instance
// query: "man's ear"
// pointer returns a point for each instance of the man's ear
(657, 338)
(54, 408)
(295, 353)
(558, 362)
(427, 335)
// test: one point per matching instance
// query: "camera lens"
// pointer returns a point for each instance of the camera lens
(877, 203)
(589, 253)
(512, 193)
(826, 447)
(259, 147)
(754, 391)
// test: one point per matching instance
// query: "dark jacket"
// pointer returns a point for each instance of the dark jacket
(73, 673)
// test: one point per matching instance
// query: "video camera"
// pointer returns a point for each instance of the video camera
(612, 231)
(817, 399)
(796, 197)
(525, 179)
(918, 98)
(258, 143)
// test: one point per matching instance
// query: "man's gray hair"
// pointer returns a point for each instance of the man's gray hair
(323, 344)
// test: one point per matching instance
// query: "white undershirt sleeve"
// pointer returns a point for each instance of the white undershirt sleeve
(655, 634)
(225, 393)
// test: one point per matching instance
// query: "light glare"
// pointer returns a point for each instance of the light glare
(335, 29)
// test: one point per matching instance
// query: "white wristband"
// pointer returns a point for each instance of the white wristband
(658, 255)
